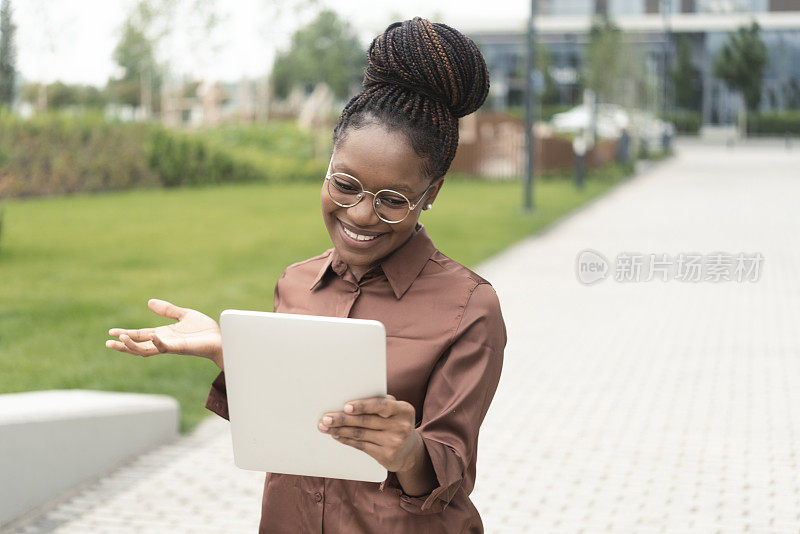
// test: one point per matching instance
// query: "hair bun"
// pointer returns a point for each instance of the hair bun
(433, 59)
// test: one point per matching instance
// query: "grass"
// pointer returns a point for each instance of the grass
(72, 267)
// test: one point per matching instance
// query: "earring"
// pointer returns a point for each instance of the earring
(428, 206)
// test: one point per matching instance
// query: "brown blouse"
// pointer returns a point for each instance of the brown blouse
(445, 338)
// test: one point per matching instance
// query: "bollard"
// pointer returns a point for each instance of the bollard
(580, 170)
(579, 148)
(624, 147)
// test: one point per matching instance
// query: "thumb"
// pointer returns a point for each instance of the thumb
(167, 309)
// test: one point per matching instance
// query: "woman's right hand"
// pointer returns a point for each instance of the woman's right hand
(195, 334)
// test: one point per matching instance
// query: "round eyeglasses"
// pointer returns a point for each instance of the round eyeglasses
(390, 206)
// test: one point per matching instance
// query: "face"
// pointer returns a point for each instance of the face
(379, 159)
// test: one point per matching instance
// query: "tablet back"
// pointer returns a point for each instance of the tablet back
(282, 373)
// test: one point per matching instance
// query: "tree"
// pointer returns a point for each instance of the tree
(326, 50)
(550, 94)
(61, 95)
(614, 69)
(603, 66)
(149, 24)
(741, 64)
(7, 54)
(686, 78)
(791, 93)
(136, 57)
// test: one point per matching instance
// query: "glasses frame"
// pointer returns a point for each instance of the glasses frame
(360, 196)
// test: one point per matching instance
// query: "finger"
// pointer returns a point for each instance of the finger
(117, 345)
(142, 334)
(143, 349)
(167, 309)
(377, 437)
(383, 406)
(370, 448)
(160, 345)
(335, 419)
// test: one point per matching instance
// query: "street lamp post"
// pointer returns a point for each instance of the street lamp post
(666, 12)
(529, 109)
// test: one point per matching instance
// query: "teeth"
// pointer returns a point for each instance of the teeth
(358, 236)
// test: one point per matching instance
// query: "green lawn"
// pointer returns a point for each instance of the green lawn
(72, 267)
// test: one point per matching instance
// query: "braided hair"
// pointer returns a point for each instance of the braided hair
(420, 79)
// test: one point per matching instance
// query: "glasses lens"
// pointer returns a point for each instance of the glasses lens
(344, 189)
(391, 207)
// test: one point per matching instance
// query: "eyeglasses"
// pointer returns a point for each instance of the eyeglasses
(390, 206)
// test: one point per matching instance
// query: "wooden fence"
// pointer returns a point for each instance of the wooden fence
(492, 144)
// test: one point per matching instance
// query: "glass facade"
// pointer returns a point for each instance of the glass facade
(626, 7)
(781, 86)
(642, 7)
(504, 53)
(732, 6)
(567, 7)
(505, 58)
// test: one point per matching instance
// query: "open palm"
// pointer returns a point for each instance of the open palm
(195, 334)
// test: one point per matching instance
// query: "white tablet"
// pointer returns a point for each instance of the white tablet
(282, 373)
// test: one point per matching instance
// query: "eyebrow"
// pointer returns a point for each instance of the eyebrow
(397, 187)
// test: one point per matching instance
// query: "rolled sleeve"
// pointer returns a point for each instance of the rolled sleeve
(217, 400)
(460, 390)
(448, 467)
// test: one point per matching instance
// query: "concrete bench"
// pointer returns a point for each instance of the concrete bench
(51, 441)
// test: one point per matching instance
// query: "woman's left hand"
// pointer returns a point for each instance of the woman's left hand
(383, 427)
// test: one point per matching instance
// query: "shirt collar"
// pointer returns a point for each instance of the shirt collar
(401, 267)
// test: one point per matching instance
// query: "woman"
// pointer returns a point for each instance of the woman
(393, 145)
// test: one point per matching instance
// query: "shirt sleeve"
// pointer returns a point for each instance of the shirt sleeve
(217, 400)
(460, 389)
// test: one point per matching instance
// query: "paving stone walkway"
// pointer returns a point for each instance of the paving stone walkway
(660, 406)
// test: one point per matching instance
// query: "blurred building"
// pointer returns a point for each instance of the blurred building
(654, 25)
(207, 103)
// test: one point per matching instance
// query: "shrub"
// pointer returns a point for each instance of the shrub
(274, 153)
(544, 113)
(685, 121)
(58, 154)
(610, 172)
(777, 123)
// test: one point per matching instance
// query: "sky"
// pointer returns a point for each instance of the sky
(73, 41)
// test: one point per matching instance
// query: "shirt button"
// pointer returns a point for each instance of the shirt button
(318, 497)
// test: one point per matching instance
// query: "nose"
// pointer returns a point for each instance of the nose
(363, 214)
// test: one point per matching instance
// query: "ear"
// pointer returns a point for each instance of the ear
(434, 190)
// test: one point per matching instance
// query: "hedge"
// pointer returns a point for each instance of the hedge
(775, 123)
(59, 153)
(686, 122)
(180, 158)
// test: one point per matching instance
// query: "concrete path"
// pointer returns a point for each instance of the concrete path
(624, 406)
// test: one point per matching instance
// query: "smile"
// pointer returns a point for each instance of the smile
(356, 239)
(358, 236)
